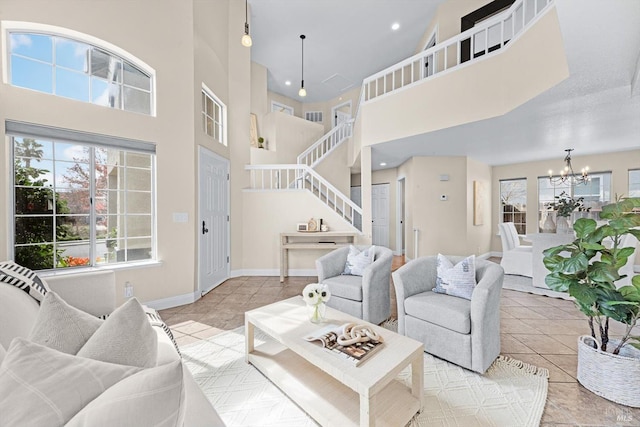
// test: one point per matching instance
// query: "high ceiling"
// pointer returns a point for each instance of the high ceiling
(595, 110)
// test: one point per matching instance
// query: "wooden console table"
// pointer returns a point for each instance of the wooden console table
(329, 240)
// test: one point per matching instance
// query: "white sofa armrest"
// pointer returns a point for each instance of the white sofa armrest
(93, 292)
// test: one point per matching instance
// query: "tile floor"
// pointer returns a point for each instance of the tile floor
(535, 329)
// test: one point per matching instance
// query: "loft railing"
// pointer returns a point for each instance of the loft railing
(326, 144)
(302, 177)
(486, 37)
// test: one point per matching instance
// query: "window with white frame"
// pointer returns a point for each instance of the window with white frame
(634, 183)
(313, 116)
(75, 69)
(513, 203)
(277, 107)
(595, 193)
(78, 202)
(213, 116)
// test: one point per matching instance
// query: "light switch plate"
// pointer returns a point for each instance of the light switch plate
(443, 197)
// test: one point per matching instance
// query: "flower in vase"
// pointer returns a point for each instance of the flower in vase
(315, 293)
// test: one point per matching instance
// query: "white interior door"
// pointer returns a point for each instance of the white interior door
(400, 214)
(380, 214)
(213, 225)
(356, 197)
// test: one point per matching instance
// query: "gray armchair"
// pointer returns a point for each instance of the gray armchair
(365, 297)
(461, 331)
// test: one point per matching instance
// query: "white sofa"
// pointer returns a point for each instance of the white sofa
(94, 293)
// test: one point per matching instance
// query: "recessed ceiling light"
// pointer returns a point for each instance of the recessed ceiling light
(288, 82)
(395, 26)
(383, 164)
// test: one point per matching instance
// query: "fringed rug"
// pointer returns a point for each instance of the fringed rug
(510, 393)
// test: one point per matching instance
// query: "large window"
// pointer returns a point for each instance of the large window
(74, 69)
(81, 204)
(634, 183)
(213, 117)
(513, 203)
(596, 193)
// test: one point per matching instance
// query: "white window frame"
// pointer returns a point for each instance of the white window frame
(521, 226)
(223, 116)
(7, 27)
(634, 183)
(313, 116)
(278, 107)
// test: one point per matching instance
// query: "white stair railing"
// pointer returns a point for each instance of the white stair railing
(488, 36)
(326, 144)
(302, 177)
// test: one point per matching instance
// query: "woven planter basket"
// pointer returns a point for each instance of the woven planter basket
(614, 377)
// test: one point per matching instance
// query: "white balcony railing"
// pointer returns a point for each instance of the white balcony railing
(326, 144)
(486, 37)
(302, 177)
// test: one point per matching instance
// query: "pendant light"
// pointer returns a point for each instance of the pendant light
(246, 38)
(302, 92)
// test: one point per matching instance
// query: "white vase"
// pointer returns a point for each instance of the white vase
(562, 225)
(549, 226)
(316, 312)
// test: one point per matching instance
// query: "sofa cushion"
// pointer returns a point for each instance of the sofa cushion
(35, 384)
(440, 309)
(155, 395)
(2, 353)
(61, 326)
(345, 286)
(456, 280)
(126, 337)
(358, 260)
(18, 313)
(23, 278)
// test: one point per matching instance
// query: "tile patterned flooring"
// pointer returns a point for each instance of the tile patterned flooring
(535, 329)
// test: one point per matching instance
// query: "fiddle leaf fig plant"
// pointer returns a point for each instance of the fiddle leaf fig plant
(588, 268)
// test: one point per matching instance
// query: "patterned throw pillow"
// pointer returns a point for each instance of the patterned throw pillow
(23, 278)
(458, 280)
(358, 261)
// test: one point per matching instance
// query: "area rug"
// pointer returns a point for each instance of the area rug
(525, 284)
(510, 393)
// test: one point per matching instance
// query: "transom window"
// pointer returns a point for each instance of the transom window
(513, 203)
(81, 204)
(213, 116)
(77, 70)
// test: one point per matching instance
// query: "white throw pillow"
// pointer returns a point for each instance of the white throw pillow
(40, 386)
(61, 326)
(358, 261)
(152, 397)
(126, 337)
(458, 280)
(23, 278)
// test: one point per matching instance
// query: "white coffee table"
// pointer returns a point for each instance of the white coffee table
(332, 390)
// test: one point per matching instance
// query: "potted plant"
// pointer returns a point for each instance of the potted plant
(564, 205)
(260, 142)
(587, 269)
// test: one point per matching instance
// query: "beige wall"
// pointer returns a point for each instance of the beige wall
(297, 105)
(618, 163)
(480, 90)
(182, 58)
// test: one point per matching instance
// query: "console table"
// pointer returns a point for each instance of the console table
(329, 240)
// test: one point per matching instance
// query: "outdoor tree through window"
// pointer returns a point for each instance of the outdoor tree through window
(513, 203)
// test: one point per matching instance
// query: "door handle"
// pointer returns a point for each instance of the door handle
(205, 230)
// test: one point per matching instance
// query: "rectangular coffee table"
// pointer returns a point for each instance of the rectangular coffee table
(330, 389)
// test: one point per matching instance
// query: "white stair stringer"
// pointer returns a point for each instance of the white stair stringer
(302, 177)
(320, 149)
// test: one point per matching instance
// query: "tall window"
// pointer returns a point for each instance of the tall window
(74, 69)
(213, 117)
(513, 203)
(634, 183)
(596, 193)
(79, 204)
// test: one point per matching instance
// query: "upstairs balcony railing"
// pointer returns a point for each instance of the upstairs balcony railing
(488, 36)
(326, 144)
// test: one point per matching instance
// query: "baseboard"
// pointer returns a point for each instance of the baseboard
(175, 301)
(273, 272)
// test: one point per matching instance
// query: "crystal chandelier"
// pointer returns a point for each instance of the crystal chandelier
(567, 175)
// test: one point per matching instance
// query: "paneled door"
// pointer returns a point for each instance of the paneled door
(213, 224)
(380, 214)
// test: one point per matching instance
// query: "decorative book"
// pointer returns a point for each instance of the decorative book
(350, 341)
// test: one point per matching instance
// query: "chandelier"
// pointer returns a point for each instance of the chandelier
(567, 175)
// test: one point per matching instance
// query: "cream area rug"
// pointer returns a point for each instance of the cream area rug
(510, 393)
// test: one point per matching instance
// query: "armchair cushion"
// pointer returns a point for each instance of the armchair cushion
(23, 278)
(348, 287)
(451, 313)
(456, 280)
(358, 260)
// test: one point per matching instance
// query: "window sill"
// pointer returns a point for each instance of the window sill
(107, 267)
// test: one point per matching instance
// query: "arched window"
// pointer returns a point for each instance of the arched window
(79, 69)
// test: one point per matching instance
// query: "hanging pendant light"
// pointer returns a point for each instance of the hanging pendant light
(568, 175)
(302, 92)
(246, 38)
